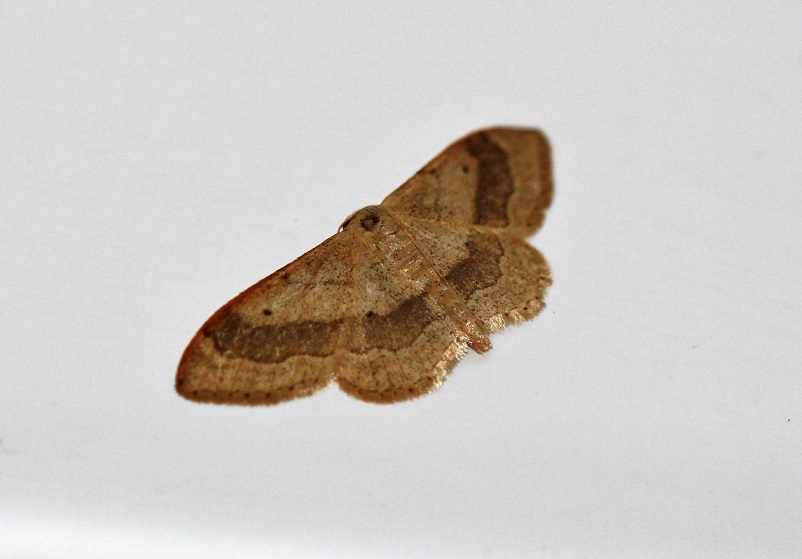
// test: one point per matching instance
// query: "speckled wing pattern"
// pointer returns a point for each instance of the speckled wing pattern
(390, 303)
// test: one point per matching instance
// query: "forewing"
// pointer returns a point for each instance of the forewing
(498, 177)
(275, 341)
(338, 311)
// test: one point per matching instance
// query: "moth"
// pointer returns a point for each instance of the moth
(390, 303)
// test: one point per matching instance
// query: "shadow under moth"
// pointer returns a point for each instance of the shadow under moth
(391, 302)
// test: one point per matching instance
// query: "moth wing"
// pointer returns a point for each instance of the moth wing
(271, 342)
(400, 352)
(497, 177)
(337, 311)
(501, 277)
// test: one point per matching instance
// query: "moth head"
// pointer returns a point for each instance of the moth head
(370, 219)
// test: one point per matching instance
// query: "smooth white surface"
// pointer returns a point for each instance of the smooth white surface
(157, 159)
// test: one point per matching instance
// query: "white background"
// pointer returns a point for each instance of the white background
(157, 159)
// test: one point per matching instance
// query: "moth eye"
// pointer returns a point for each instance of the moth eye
(370, 314)
(370, 222)
(267, 312)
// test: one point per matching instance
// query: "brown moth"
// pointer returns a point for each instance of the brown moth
(389, 304)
